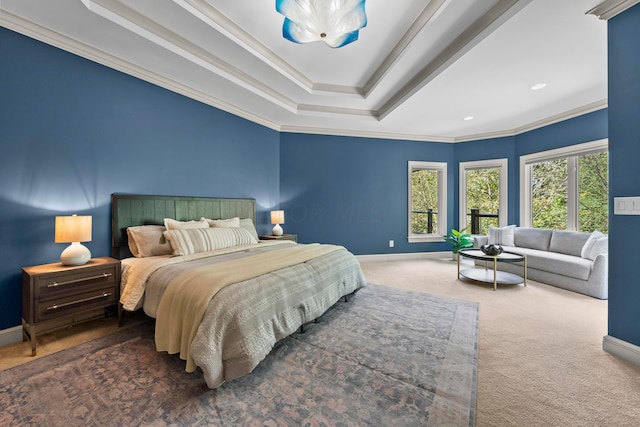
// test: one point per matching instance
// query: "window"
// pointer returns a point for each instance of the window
(566, 188)
(483, 191)
(427, 201)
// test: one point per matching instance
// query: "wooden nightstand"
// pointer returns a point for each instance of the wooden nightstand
(293, 237)
(55, 296)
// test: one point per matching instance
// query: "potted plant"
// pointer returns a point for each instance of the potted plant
(459, 240)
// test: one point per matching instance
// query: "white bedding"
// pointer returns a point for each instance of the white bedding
(244, 320)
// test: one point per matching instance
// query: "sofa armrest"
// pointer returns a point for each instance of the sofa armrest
(600, 266)
(479, 241)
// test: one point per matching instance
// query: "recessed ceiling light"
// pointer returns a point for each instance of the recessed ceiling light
(538, 86)
(469, 118)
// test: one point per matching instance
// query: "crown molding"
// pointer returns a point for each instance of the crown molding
(337, 89)
(55, 39)
(470, 37)
(429, 13)
(610, 8)
(58, 40)
(217, 20)
(220, 22)
(363, 134)
(330, 110)
(570, 114)
(129, 19)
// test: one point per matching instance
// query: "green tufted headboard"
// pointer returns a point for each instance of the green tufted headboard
(129, 210)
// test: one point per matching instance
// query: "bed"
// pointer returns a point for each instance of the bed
(221, 297)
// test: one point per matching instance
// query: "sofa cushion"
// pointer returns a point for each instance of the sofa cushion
(501, 236)
(596, 244)
(568, 242)
(534, 238)
(553, 262)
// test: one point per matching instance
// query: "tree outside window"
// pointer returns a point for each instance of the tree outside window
(483, 194)
(427, 201)
(569, 189)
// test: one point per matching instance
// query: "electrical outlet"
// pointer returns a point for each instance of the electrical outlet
(391, 243)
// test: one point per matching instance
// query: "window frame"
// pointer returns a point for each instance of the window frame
(570, 153)
(503, 166)
(441, 169)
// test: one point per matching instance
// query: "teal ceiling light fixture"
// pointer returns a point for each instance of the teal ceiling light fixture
(335, 22)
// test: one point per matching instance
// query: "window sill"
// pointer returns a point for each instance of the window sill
(427, 238)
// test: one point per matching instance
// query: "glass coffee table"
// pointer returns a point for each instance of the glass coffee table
(486, 275)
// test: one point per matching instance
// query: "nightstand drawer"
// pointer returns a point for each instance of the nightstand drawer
(74, 282)
(73, 303)
(56, 295)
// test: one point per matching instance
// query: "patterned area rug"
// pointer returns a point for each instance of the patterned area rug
(386, 357)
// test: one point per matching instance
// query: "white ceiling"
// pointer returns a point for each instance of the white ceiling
(418, 68)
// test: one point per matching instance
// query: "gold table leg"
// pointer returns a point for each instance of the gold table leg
(495, 273)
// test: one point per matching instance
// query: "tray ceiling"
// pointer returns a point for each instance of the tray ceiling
(418, 69)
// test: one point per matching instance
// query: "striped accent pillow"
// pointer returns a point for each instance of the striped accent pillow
(502, 236)
(196, 240)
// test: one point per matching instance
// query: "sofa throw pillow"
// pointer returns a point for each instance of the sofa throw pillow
(598, 243)
(502, 235)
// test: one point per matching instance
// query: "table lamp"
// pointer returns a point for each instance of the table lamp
(277, 218)
(74, 229)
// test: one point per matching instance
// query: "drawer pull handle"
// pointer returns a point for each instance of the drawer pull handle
(84, 279)
(66, 304)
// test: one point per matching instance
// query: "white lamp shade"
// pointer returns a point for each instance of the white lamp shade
(277, 217)
(74, 229)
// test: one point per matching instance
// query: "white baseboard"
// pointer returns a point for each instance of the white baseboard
(410, 255)
(10, 335)
(622, 349)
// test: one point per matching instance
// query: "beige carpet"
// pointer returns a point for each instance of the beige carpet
(540, 363)
(540, 358)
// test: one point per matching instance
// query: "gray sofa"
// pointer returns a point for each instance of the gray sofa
(567, 259)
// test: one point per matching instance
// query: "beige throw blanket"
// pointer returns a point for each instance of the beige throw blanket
(186, 299)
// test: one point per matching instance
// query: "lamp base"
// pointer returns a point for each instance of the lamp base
(75, 254)
(277, 230)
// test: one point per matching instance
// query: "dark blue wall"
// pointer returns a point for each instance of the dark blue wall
(353, 191)
(72, 132)
(624, 176)
(585, 128)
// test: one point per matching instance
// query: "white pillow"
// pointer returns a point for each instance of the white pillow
(502, 236)
(231, 222)
(248, 225)
(597, 243)
(148, 240)
(195, 240)
(172, 224)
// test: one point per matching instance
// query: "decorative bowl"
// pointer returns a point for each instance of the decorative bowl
(491, 250)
